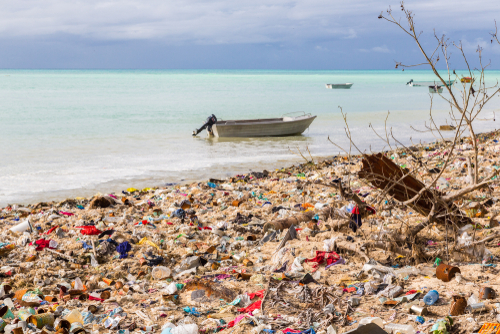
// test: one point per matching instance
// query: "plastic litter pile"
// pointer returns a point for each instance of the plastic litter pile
(273, 252)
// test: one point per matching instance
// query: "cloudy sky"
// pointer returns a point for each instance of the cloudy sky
(234, 34)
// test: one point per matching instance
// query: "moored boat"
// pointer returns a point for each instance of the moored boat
(412, 83)
(265, 127)
(339, 86)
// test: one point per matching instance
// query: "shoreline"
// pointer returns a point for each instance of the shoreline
(87, 194)
(84, 193)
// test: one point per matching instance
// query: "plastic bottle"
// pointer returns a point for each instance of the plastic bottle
(399, 328)
(372, 320)
(406, 272)
(393, 293)
(427, 271)
(431, 297)
(149, 328)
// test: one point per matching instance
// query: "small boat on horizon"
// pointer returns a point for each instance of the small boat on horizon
(412, 83)
(466, 79)
(339, 86)
(264, 127)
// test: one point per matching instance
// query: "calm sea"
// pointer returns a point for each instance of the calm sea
(74, 133)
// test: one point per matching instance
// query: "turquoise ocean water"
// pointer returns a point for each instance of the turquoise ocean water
(74, 133)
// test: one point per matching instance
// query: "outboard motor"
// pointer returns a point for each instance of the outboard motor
(211, 120)
(409, 82)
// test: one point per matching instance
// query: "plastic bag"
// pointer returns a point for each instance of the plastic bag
(161, 272)
(244, 300)
(479, 251)
(369, 288)
(329, 244)
(171, 289)
(185, 329)
(78, 284)
(297, 264)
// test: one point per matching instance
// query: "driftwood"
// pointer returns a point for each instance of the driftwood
(285, 223)
(398, 183)
(211, 288)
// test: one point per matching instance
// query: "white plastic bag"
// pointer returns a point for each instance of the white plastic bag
(171, 289)
(244, 300)
(185, 329)
(297, 264)
(78, 284)
(329, 244)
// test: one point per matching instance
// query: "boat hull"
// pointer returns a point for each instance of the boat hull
(271, 127)
(339, 86)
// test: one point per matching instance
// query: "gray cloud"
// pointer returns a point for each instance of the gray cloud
(229, 21)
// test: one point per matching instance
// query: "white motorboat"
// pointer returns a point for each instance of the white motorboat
(339, 86)
(265, 127)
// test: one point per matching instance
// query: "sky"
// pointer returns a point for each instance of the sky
(235, 34)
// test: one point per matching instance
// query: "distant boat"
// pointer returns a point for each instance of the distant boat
(266, 127)
(412, 83)
(339, 86)
(466, 79)
(435, 89)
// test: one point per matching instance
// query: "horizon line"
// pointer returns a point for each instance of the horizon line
(222, 69)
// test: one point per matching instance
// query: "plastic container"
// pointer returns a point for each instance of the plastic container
(161, 272)
(8, 302)
(74, 316)
(21, 227)
(393, 293)
(399, 328)
(473, 299)
(431, 297)
(372, 320)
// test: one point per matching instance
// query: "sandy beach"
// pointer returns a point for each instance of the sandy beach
(234, 247)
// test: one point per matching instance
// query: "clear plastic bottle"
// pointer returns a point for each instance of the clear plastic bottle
(431, 297)
(427, 271)
(406, 272)
(473, 299)
(395, 292)
(399, 328)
